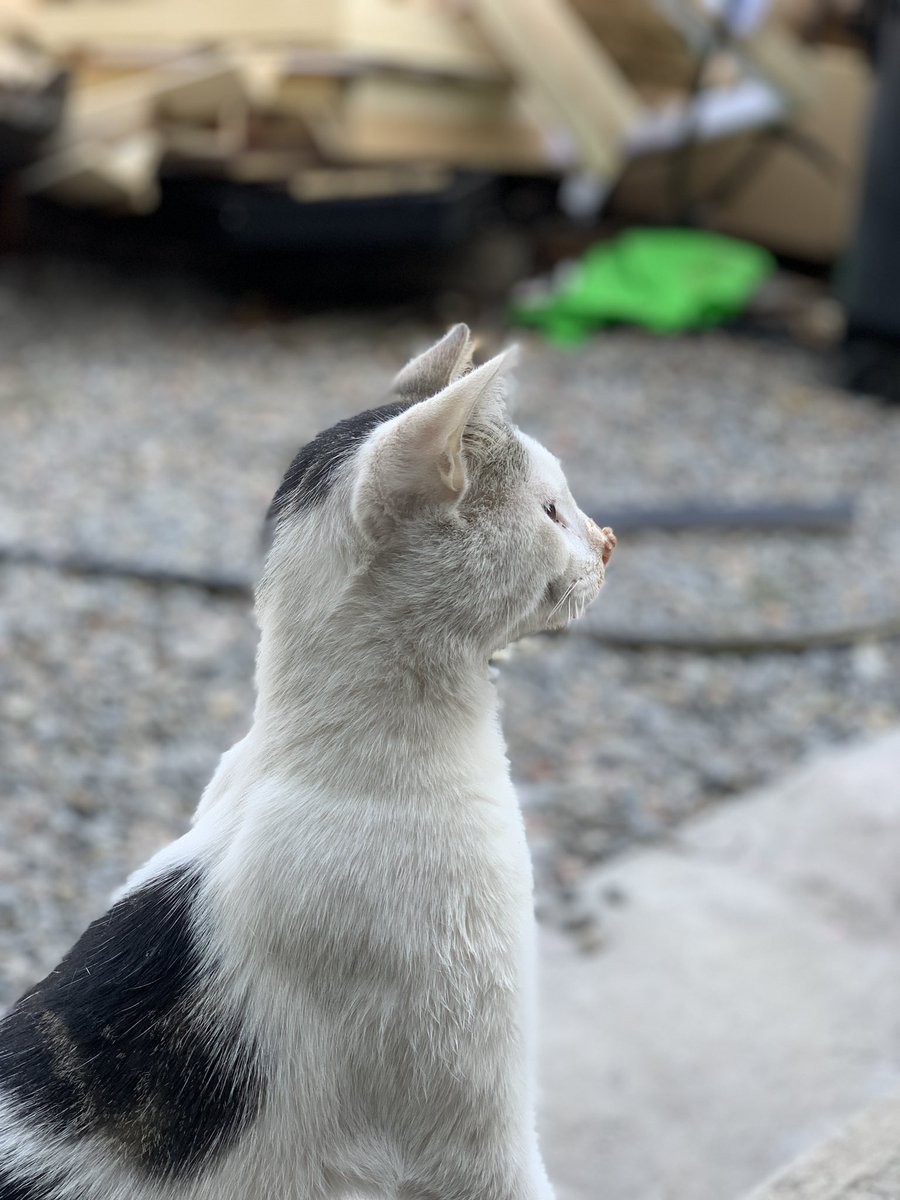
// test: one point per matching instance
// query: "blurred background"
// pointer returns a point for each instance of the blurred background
(225, 225)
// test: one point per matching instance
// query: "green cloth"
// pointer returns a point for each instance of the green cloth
(667, 280)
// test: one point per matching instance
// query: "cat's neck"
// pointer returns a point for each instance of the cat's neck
(359, 705)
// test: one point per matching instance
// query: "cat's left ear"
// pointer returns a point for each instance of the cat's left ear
(417, 457)
(438, 366)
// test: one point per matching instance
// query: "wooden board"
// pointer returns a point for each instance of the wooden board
(354, 183)
(198, 87)
(425, 35)
(306, 95)
(160, 23)
(278, 130)
(641, 24)
(263, 166)
(23, 66)
(122, 177)
(787, 63)
(646, 51)
(549, 47)
(17, 16)
(397, 119)
(788, 202)
(203, 93)
(202, 145)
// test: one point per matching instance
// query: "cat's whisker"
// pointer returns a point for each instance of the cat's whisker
(563, 600)
(510, 620)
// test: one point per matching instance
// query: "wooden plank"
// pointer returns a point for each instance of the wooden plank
(196, 87)
(121, 177)
(24, 66)
(203, 144)
(641, 20)
(269, 147)
(18, 16)
(396, 119)
(653, 44)
(264, 166)
(354, 183)
(108, 111)
(649, 65)
(424, 35)
(643, 43)
(787, 63)
(85, 23)
(548, 45)
(787, 202)
(306, 95)
(217, 93)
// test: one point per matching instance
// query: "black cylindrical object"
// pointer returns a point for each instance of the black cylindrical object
(872, 283)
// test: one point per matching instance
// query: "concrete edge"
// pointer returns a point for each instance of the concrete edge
(860, 1162)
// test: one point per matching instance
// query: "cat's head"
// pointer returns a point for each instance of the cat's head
(435, 512)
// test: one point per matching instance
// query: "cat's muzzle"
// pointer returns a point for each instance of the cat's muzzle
(603, 541)
(609, 544)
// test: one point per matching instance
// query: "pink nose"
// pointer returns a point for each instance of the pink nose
(609, 544)
(603, 540)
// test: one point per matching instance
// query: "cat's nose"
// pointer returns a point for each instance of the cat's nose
(609, 543)
(602, 540)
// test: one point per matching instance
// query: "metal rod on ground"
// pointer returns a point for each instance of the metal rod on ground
(832, 516)
(775, 642)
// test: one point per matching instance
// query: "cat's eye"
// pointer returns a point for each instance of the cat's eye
(550, 510)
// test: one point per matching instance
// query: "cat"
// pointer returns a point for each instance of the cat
(325, 987)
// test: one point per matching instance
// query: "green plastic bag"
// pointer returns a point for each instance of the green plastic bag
(668, 280)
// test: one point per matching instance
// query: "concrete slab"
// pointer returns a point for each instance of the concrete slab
(862, 1162)
(747, 999)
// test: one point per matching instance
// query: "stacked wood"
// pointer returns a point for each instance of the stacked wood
(346, 97)
(798, 190)
(32, 88)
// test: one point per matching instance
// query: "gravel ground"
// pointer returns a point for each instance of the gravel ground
(149, 423)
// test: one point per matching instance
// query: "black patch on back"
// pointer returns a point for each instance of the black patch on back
(120, 1040)
(311, 474)
(18, 1187)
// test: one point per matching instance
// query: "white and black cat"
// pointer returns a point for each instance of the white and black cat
(324, 989)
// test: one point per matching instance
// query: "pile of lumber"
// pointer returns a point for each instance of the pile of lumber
(32, 90)
(332, 98)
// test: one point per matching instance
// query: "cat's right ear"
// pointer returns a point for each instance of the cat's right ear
(439, 365)
(416, 458)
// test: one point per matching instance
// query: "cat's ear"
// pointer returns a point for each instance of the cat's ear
(417, 457)
(433, 370)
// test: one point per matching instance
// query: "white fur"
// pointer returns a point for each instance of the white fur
(367, 888)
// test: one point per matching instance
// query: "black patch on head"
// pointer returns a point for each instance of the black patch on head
(311, 474)
(20, 1187)
(121, 1041)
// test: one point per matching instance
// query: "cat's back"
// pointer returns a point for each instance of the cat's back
(122, 1055)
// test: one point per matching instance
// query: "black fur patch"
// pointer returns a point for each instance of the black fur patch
(13, 1187)
(119, 1040)
(311, 474)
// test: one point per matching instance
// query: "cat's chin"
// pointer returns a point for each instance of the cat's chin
(573, 601)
